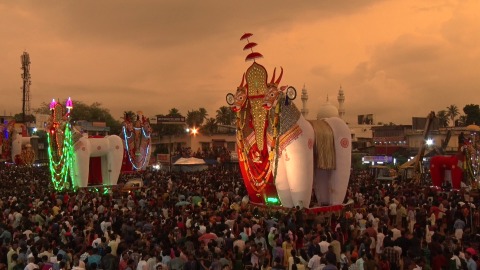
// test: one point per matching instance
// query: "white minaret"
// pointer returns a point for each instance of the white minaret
(304, 110)
(341, 100)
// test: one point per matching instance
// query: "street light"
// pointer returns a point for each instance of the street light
(429, 142)
(194, 131)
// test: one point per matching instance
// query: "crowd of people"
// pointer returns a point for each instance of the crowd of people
(203, 221)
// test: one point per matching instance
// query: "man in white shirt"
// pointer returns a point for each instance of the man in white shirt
(314, 262)
(239, 243)
(105, 224)
(324, 245)
(31, 263)
(96, 241)
(379, 243)
(411, 219)
(393, 213)
(359, 263)
(396, 233)
(142, 264)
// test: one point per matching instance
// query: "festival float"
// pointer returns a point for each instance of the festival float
(283, 157)
(463, 167)
(15, 144)
(78, 161)
(137, 142)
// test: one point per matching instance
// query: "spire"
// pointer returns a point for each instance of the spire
(304, 109)
(341, 101)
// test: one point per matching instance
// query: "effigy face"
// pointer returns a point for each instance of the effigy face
(252, 125)
(271, 97)
(240, 98)
(257, 87)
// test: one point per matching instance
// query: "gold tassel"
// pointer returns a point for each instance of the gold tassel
(324, 145)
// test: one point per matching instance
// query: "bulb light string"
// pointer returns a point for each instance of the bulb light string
(143, 161)
(61, 163)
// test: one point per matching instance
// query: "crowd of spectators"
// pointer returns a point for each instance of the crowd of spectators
(202, 221)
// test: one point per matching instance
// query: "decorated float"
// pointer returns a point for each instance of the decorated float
(15, 144)
(76, 160)
(137, 142)
(283, 157)
(462, 169)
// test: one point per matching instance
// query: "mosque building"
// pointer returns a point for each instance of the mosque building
(361, 132)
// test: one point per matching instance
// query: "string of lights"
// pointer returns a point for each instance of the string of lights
(147, 154)
(60, 164)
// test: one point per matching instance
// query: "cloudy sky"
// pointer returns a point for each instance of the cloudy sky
(395, 59)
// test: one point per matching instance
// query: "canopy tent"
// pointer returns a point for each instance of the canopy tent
(190, 161)
(190, 165)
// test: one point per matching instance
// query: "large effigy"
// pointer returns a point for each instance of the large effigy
(283, 157)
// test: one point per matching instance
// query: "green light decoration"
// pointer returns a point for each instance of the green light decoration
(61, 156)
(272, 200)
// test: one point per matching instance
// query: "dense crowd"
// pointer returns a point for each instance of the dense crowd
(202, 221)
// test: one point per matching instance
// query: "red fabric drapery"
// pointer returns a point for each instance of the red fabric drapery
(95, 172)
(439, 164)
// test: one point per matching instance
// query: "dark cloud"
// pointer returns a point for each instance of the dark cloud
(152, 23)
(393, 58)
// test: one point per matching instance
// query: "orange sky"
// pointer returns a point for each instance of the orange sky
(395, 59)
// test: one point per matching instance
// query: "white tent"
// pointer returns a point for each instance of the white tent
(189, 161)
(190, 164)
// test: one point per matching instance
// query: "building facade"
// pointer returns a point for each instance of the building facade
(388, 140)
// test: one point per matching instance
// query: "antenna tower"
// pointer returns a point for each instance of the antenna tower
(25, 58)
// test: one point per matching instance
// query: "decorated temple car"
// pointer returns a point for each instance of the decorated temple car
(282, 156)
(77, 160)
(15, 145)
(137, 142)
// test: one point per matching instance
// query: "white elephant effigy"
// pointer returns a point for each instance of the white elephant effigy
(108, 148)
(70, 152)
(281, 154)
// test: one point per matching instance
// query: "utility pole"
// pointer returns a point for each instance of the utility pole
(25, 59)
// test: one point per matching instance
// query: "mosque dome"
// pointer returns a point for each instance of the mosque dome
(327, 110)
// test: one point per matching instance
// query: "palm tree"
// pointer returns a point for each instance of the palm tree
(194, 118)
(442, 118)
(203, 113)
(170, 130)
(225, 116)
(472, 111)
(452, 112)
(174, 112)
(210, 126)
(462, 121)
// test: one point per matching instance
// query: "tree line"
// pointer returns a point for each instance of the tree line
(450, 116)
(95, 112)
(200, 119)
